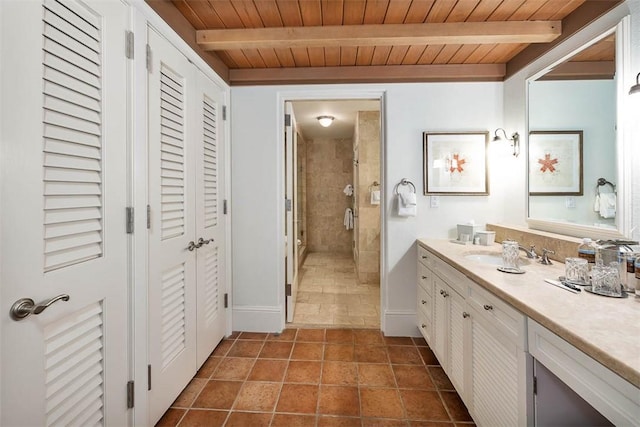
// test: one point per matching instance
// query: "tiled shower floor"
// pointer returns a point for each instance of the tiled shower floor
(319, 378)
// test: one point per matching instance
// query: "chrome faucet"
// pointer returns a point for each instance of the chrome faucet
(531, 252)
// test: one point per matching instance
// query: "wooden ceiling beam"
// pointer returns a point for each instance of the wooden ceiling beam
(582, 70)
(381, 35)
(368, 74)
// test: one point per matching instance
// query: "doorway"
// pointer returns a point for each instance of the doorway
(335, 192)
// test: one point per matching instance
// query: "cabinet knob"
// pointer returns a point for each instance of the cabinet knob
(488, 307)
(423, 301)
(445, 294)
(424, 277)
(441, 291)
(423, 326)
(424, 257)
(465, 314)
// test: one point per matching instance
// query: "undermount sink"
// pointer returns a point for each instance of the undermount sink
(491, 258)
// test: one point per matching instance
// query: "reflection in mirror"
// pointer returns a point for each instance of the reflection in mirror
(577, 96)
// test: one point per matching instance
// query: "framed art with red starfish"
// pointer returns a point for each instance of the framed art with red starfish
(455, 163)
(555, 163)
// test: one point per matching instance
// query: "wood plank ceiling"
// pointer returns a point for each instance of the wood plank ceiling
(262, 56)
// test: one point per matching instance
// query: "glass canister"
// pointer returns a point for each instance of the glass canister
(510, 254)
(637, 274)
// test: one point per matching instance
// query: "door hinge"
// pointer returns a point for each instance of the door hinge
(149, 57)
(287, 205)
(287, 119)
(148, 377)
(287, 289)
(535, 385)
(130, 223)
(226, 300)
(224, 206)
(130, 395)
(128, 48)
(224, 112)
(148, 217)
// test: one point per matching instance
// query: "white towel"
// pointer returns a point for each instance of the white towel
(375, 197)
(348, 219)
(348, 190)
(596, 204)
(607, 205)
(405, 208)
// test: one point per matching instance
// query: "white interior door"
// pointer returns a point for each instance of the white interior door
(64, 150)
(210, 221)
(290, 236)
(172, 266)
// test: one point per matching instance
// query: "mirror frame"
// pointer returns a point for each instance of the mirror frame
(623, 142)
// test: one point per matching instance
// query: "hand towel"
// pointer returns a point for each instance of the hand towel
(407, 209)
(596, 204)
(348, 190)
(348, 219)
(375, 197)
(607, 205)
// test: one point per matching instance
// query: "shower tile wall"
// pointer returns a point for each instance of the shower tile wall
(302, 189)
(329, 170)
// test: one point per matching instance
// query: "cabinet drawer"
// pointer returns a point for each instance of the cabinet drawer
(424, 278)
(424, 325)
(425, 257)
(454, 278)
(508, 320)
(425, 302)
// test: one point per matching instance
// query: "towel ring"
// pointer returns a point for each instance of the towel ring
(601, 182)
(375, 184)
(404, 181)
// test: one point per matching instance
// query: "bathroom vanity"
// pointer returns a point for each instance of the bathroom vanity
(488, 329)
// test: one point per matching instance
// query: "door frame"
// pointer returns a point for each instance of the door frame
(143, 16)
(334, 93)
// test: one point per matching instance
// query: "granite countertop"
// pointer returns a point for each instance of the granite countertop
(604, 328)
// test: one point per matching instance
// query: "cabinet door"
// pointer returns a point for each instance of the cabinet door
(494, 375)
(440, 322)
(456, 339)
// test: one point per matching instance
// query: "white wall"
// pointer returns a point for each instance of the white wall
(409, 109)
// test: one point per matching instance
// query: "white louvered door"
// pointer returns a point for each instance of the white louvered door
(64, 152)
(172, 267)
(210, 221)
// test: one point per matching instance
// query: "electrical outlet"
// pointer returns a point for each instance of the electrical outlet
(570, 202)
(435, 201)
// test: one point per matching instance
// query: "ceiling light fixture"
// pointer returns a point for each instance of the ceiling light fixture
(636, 87)
(325, 121)
(515, 140)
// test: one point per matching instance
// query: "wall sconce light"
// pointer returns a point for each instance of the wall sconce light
(515, 140)
(636, 87)
(325, 121)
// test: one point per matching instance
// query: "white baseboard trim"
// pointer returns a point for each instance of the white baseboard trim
(400, 323)
(257, 318)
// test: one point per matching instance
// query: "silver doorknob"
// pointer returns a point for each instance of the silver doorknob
(201, 241)
(192, 246)
(25, 307)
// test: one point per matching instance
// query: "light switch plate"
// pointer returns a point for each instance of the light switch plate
(434, 201)
(570, 202)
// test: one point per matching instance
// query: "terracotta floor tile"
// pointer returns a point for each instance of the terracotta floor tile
(302, 371)
(339, 373)
(244, 348)
(233, 368)
(340, 336)
(208, 367)
(257, 396)
(298, 399)
(420, 341)
(371, 354)
(190, 392)
(218, 395)
(276, 350)
(375, 375)
(429, 424)
(440, 378)
(246, 419)
(339, 400)
(456, 407)
(332, 421)
(288, 334)
(290, 420)
(382, 422)
(268, 370)
(204, 418)
(234, 335)
(339, 352)
(424, 405)
(260, 336)
(404, 355)
(223, 348)
(398, 341)
(412, 377)
(313, 335)
(307, 351)
(381, 402)
(428, 357)
(171, 418)
(368, 337)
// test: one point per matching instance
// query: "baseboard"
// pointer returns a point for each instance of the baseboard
(257, 319)
(400, 323)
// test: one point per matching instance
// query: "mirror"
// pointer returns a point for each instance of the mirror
(574, 183)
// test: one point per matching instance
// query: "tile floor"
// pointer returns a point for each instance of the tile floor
(319, 377)
(329, 293)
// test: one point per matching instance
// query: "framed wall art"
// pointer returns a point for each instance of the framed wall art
(555, 163)
(455, 163)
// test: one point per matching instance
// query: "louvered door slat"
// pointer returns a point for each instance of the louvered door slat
(56, 118)
(67, 26)
(211, 286)
(77, 150)
(173, 314)
(72, 110)
(70, 136)
(71, 96)
(84, 201)
(59, 59)
(210, 172)
(79, 15)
